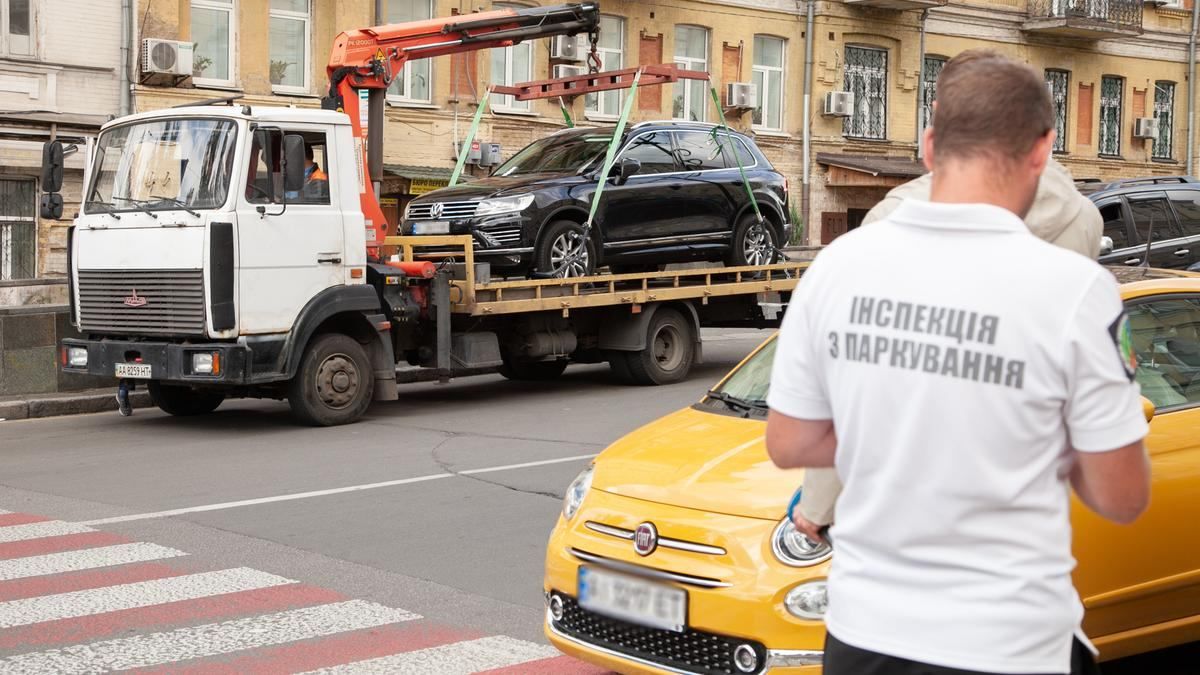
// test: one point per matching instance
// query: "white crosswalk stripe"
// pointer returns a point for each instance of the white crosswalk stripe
(50, 528)
(139, 594)
(458, 658)
(214, 639)
(86, 559)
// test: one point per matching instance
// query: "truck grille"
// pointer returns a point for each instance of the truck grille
(141, 302)
(691, 651)
(450, 210)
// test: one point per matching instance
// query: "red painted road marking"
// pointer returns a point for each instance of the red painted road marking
(169, 615)
(66, 582)
(559, 665)
(66, 542)
(8, 519)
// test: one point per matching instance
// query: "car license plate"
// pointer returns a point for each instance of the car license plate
(137, 371)
(432, 227)
(632, 599)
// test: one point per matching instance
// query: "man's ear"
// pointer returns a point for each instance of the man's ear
(1042, 148)
(927, 147)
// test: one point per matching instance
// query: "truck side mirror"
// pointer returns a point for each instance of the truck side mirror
(52, 166)
(629, 167)
(293, 162)
(1106, 245)
(51, 206)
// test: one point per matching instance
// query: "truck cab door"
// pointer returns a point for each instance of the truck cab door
(291, 243)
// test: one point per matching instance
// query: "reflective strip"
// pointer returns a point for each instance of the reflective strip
(459, 658)
(53, 528)
(86, 559)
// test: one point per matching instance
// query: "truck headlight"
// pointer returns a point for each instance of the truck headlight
(77, 357)
(206, 363)
(492, 207)
(795, 549)
(577, 491)
(808, 600)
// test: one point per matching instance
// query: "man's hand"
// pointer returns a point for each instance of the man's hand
(808, 528)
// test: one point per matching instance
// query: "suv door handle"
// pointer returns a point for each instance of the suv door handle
(1183, 251)
(1133, 261)
(332, 261)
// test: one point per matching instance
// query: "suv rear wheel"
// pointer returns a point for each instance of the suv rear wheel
(559, 253)
(754, 243)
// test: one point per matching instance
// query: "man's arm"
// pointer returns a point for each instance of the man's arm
(1114, 484)
(795, 443)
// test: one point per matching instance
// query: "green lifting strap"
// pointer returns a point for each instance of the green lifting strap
(562, 105)
(611, 155)
(466, 146)
(737, 156)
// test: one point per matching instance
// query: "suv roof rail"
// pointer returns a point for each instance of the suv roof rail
(1151, 180)
(673, 123)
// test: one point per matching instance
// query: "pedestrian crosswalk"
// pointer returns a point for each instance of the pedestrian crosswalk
(74, 599)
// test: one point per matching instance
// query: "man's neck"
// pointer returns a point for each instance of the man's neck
(973, 183)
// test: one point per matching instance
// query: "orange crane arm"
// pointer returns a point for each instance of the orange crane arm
(371, 57)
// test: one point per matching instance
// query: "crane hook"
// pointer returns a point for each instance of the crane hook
(593, 59)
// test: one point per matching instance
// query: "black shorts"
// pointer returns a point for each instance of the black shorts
(842, 659)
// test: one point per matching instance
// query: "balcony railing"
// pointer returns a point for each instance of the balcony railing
(1095, 19)
(897, 4)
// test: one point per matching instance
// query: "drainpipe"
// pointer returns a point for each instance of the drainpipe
(921, 81)
(1191, 129)
(125, 85)
(805, 187)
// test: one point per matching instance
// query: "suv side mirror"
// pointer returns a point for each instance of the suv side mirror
(1106, 245)
(52, 166)
(293, 162)
(629, 167)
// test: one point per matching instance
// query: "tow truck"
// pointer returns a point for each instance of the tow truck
(209, 261)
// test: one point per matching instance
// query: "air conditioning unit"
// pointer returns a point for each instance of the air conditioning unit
(566, 71)
(1145, 127)
(166, 57)
(741, 95)
(839, 103)
(567, 48)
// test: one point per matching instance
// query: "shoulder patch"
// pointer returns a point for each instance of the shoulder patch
(1123, 340)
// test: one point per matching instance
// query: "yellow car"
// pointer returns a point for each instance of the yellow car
(672, 554)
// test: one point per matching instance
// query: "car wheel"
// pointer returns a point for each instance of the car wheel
(559, 253)
(183, 401)
(754, 243)
(669, 353)
(334, 384)
(533, 371)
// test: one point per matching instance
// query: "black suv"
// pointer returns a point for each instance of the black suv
(1163, 209)
(674, 195)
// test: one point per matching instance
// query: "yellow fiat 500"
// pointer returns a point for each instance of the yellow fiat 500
(672, 554)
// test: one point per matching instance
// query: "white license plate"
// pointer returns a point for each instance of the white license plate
(632, 599)
(432, 227)
(137, 371)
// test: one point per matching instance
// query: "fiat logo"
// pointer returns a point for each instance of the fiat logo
(135, 300)
(645, 539)
(436, 209)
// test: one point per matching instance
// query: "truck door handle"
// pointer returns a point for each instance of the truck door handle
(1183, 251)
(1133, 261)
(332, 261)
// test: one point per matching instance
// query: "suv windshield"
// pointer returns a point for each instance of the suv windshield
(745, 391)
(557, 154)
(163, 164)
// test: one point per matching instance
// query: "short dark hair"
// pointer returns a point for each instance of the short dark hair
(308, 151)
(989, 104)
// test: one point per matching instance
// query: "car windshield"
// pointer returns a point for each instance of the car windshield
(556, 154)
(163, 164)
(745, 390)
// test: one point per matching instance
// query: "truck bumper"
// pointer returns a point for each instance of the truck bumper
(169, 362)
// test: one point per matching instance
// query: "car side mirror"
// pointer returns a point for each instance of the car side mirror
(293, 162)
(1106, 245)
(1147, 408)
(52, 166)
(629, 167)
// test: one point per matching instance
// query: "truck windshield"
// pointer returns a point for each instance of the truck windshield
(163, 164)
(556, 154)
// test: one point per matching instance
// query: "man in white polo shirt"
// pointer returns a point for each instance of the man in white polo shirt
(959, 372)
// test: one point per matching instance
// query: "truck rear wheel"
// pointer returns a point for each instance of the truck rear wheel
(669, 353)
(183, 401)
(334, 383)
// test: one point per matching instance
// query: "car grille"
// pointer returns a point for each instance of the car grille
(502, 237)
(450, 210)
(174, 302)
(692, 651)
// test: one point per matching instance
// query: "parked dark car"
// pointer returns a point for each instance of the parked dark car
(1164, 210)
(674, 195)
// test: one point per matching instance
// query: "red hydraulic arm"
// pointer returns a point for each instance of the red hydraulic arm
(370, 58)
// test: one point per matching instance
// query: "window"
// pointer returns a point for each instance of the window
(768, 78)
(690, 97)
(1164, 112)
(414, 82)
(1058, 81)
(18, 229)
(1151, 217)
(866, 78)
(16, 27)
(213, 37)
(929, 76)
(264, 181)
(612, 55)
(1114, 225)
(1165, 336)
(289, 47)
(653, 150)
(1187, 209)
(510, 66)
(698, 151)
(1111, 91)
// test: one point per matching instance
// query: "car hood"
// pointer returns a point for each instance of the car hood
(495, 186)
(699, 460)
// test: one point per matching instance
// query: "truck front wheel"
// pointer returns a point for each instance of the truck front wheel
(334, 383)
(183, 401)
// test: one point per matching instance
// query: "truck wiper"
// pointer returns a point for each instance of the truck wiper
(139, 203)
(181, 204)
(734, 403)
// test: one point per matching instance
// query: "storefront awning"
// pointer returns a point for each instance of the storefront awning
(869, 170)
(417, 180)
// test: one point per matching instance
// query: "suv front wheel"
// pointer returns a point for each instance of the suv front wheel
(754, 243)
(559, 253)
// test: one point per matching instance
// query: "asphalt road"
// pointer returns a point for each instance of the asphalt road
(431, 514)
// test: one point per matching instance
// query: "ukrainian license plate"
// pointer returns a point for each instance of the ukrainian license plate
(137, 371)
(432, 227)
(632, 599)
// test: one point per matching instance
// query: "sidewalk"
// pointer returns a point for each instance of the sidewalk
(72, 403)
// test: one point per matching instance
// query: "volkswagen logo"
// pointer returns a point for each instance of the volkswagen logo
(436, 209)
(135, 300)
(645, 539)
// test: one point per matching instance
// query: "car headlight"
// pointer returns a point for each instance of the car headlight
(793, 548)
(576, 492)
(491, 207)
(808, 600)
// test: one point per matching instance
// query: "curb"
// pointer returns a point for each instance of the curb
(78, 404)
